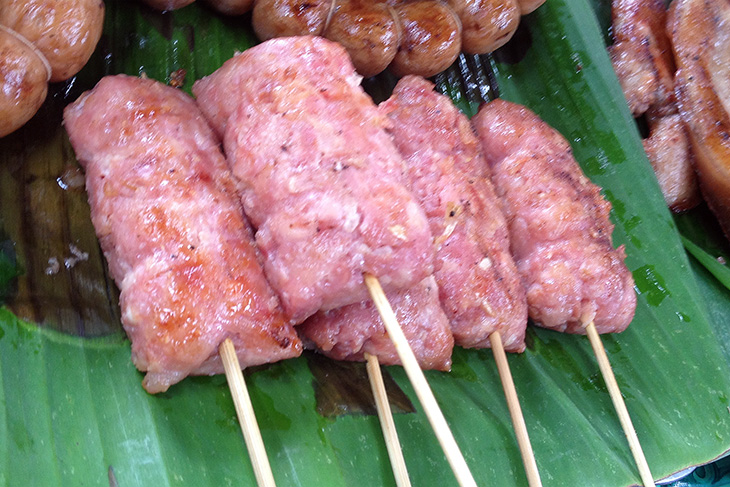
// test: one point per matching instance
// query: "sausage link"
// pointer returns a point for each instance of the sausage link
(65, 31)
(486, 24)
(24, 74)
(368, 31)
(430, 38)
(284, 18)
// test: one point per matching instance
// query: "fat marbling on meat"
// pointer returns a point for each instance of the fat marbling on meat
(321, 180)
(173, 231)
(558, 222)
(479, 286)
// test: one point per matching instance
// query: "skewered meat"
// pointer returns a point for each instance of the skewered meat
(172, 229)
(479, 286)
(558, 222)
(320, 177)
(65, 31)
(24, 74)
(643, 61)
(701, 41)
(349, 332)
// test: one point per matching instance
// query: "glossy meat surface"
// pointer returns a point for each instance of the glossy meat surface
(349, 332)
(172, 229)
(321, 180)
(642, 54)
(479, 285)
(670, 153)
(558, 222)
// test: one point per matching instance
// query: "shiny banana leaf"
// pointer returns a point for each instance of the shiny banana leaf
(72, 410)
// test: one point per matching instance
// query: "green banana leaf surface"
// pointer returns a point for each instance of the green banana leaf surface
(72, 409)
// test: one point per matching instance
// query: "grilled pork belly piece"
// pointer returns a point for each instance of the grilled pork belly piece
(558, 222)
(642, 54)
(173, 231)
(643, 61)
(701, 38)
(479, 286)
(321, 179)
(670, 152)
(349, 332)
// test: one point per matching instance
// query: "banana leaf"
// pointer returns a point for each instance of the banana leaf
(72, 410)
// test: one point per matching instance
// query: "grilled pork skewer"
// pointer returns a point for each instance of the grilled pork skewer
(172, 229)
(320, 178)
(575, 280)
(322, 183)
(479, 286)
(558, 223)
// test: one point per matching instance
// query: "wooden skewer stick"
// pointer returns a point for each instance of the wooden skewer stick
(515, 411)
(386, 422)
(619, 404)
(420, 385)
(246, 416)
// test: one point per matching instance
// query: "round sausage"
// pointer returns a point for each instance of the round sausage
(368, 31)
(283, 18)
(231, 7)
(65, 31)
(24, 74)
(487, 24)
(430, 38)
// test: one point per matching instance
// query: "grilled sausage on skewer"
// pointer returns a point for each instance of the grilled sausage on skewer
(479, 286)
(172, 229)
(322, 178)
(558, 222)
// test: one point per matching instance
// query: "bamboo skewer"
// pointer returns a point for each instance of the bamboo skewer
(420, 385)
(619, 404)
(246, 416)
(386, 422)
(515, 411)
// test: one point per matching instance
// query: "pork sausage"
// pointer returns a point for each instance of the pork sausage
(283, 18)
(486, 24)
(65, 31)
(368, 31)
(24, 74)
(430, 38)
